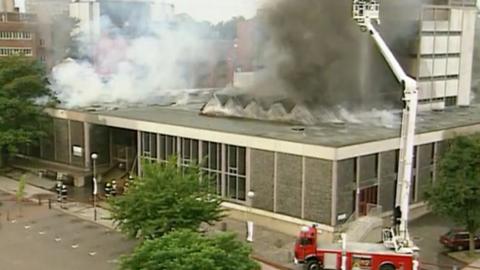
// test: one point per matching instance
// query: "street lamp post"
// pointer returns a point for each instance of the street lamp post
(95, 190)
(250, 196)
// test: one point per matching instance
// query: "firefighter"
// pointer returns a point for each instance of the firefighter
(108, 189)
(64, 194)
(114, 188)
(58, 189)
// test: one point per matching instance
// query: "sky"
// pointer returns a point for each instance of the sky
(210, 10)
(216, 10)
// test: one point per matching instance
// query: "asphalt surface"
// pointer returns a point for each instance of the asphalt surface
(38, 238)
(426, 232)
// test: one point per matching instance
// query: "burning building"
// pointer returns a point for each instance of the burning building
(316, 158)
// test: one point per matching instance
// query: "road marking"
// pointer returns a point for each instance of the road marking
(41, 233)
(75, 245)
(92, 253)
(27, 227)
(58, 239)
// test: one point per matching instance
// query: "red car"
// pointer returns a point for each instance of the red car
(458, 240)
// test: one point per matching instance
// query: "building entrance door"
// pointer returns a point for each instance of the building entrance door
(368, 198)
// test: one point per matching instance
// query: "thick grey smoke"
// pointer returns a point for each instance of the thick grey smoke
(319, 56)
(315, 55)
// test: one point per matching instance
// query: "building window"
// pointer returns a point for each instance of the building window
(450, 101)
(235, 172)
(414, 159)
(5, 51)
(168, 147)
(354, 167)
(149, 145)
(211, 165)
(189, 153)
(413, 189)
(432, 154)
(15, 35)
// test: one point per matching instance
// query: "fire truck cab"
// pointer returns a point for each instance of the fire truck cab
(348, 256)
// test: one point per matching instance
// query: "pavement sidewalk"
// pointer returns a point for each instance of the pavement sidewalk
(473, 266)
(269, 247)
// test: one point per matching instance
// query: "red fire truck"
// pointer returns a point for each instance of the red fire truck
(351, 255)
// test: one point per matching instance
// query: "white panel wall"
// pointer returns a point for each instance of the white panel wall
(440, 44)
(437, 89)
(441, 26)
(439, 66)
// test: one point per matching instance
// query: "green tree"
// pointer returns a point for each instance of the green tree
(23, 97)
(188, 250)
(165, 198)
(456, 192)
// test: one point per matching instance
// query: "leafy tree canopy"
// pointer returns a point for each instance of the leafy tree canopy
(166, 197)
(22, 85)
(456, 193)
(188, 250)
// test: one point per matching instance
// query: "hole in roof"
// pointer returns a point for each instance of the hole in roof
(298, 129)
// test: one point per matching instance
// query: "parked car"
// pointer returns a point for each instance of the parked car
(457, 239)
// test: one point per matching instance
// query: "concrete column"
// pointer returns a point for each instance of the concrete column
(248, 184)
(139, 153)
(334, 192)
(110, 142)
(435, 161)
(466, 56)
(357, 189)
(179, 151)
(158, 146)
(54, 140)
(224, 170)
(87, 149)
(379, 177)
(69, 143)
(303, 187)
(275, 173)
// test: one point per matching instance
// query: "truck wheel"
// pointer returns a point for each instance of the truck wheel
(312, 265)
(387, 266)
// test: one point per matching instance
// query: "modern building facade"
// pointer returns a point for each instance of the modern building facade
(324, 174)
(19, 36)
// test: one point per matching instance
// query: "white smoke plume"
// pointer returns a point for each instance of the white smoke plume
(123, 69)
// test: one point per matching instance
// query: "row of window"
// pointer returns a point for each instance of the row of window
(430, 157)
(15, 51)
(227, 179)
(16, 35)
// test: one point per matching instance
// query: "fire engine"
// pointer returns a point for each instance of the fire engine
(397, 251)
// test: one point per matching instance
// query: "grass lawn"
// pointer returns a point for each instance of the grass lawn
(463, 256)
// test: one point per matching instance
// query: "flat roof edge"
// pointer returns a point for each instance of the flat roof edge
(262, 143)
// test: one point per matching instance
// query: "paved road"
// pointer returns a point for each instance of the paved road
(426, 231)
(50, 239)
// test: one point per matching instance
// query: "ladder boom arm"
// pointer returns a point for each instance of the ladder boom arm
(410, 97)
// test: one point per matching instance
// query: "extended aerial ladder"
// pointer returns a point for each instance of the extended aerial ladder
(366, 13)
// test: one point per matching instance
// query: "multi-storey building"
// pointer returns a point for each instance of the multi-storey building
(19, 36)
